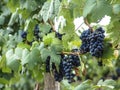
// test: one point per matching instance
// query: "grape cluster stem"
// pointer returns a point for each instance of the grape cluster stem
(52, 25)
(87, 23)
(74, 53)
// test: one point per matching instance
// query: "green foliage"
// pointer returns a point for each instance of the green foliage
(96, 9)
(50, 9)
(113, 29)
(116, 9)
(108, 53)
(84, 86)
(23, 64)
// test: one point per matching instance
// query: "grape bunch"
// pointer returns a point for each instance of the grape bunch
(57, 75)
(66, 68)
(118, 72)
(36, 31)
(92, 42)
(69, 63)
(96, 42)
(47, 64)
(85, 41)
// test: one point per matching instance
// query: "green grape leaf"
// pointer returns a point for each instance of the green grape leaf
(45, 28)
(38, 74)
(113, 30)
(56, 48)
(50, 52)
(84, 86)
(13, 18)
(29, 5)
(96, 9)
(3, 81)
(30, 27)
(25, 14)
(5, 11)
(89, 5)
(2, 40)
(3, 65)
(2, 20)
(32, 58)
(18, 52)
(25, 54)
(13, 4)
(55, 58)
(108, 53)
(49, 38)
(77, 7)
(12, 60)
(107, 83)
(45, 53)
(50, 9)
(23, 45)
(14, 80)
(116, 8)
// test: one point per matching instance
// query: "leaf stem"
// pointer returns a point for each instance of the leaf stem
(37, 86)
(79, 26)
(52, 25)
(87, 23)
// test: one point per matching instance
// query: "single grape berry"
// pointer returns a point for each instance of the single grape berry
(24, 34)
(114, 77)
(58, 35)
(118, 72)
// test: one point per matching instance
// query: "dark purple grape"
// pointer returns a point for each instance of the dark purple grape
(36, 29)
(58, 35)
(114, 77)
(24, 34)
(100, 63)
(48, 64)
(118, 72)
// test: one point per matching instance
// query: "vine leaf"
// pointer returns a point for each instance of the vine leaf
(108, 53)
(13, 4)
(13, 18)
(113, 30)
(12, 60)
(2, 20)
(116, 8)
(107, 83)
(50, 52)
(97, 9)
(88, 7)
(32, 58)
(50, 9)
(84, 86)
(3, 81)
(30, 5)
